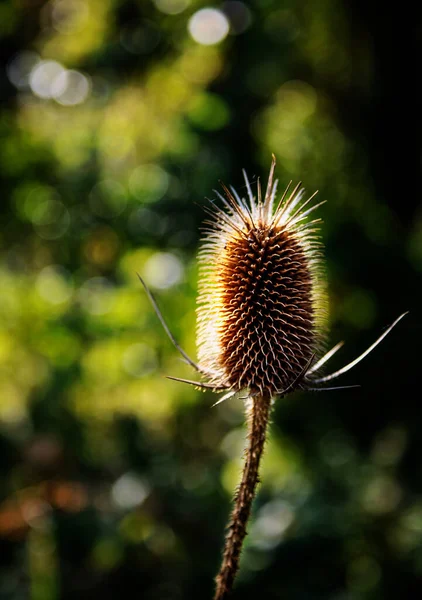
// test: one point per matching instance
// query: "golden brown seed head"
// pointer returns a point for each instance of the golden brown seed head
(267, 319)
(261, 303)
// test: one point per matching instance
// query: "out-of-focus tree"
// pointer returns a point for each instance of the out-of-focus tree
(117, 119)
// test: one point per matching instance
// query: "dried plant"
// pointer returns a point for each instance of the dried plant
(261, 323)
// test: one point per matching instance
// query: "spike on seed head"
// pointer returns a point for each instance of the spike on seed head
(262, 302)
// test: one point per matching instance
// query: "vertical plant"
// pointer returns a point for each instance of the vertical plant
(261, 325)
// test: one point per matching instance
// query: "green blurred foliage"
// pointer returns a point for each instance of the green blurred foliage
(117, 118)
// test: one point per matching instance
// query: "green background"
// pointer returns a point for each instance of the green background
(115, 125)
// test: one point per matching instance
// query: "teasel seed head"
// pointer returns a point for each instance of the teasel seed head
(262, 302)
(262, 310)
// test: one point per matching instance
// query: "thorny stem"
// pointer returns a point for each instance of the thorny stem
(258, 419)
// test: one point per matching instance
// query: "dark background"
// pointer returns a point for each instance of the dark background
(114, 480)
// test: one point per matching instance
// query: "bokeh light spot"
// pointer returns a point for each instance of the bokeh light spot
(136, 527)
(20, 67)
(96, 295)
(272, 522)
(101, 246)
(208, 26)
(49, 215)
(239, 15)
(52, 284)
(107, 553)
(382, 495)
(43, 76)
(107, 198)
(171, 7)
(145, 221)
(209, 112)
(139, 360)
(148, 182)
(129, 491)
(69, 16)
(70, 88)
(163, 270)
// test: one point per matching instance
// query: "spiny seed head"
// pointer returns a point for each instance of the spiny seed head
(262, 302)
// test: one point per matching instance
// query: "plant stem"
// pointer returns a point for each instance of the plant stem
(258, 418)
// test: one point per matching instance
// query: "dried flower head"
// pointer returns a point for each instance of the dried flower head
(261, 321)
(262, 302)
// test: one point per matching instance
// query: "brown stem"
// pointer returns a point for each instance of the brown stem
(258, 418)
